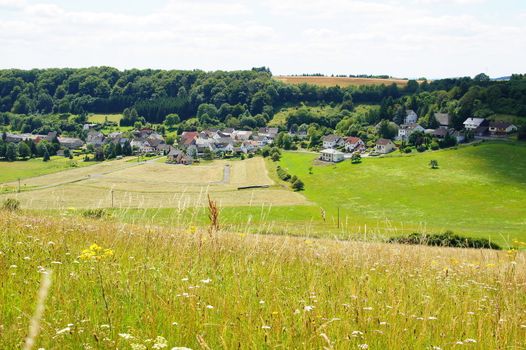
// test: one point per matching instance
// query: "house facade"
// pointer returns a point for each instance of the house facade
(384, 146)
(332, 141)
(331, 155)
(405, 130)
(473, 123)
(501, 128)
(410, 117)
(354, 144)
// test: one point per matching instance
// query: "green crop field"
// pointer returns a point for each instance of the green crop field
(11, 171)
(478, 190)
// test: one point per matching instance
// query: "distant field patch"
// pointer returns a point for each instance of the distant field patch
(101, 118)
(342, 82)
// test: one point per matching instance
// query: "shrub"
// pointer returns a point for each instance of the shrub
(298, 185)
(11, 204)
(407, 150)
(282, 174)
(446, 239)
(421, 148)
(434, 146)
(94, 213)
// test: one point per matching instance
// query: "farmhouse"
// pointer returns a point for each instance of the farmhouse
(332, 141)
(501, 128)
(443, 119)
(354, 144)
(331, 155)
(176, 156)
(473, 123)
(384, 146)
(406, 130)
(70, 143)
(411, 117)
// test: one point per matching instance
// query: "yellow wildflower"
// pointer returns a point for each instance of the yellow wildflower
(95, 252)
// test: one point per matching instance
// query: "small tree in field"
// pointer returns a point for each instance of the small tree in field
(356, 158)
(298, 185)
(46, 156)
(433, 164)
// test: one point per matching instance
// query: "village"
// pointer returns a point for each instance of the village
(191, 146)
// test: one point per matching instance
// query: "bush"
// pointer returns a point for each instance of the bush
(446, 239)
(435, 146)
(298, 185)
(407, 150)
(11, 204)
(94, 213)
(282, 174)
(421, 148)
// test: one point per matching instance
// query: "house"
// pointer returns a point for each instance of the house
(443, 119)
(224, 144)
(332, 141)
(501, 128)
(459, 136)
(70, 142)
(440, 133)
(262, 139)
(300, 134)
(481, 131)
(176, 156)
(384, 146)
(473, 123)
(241, 135)
(406, 130)
(410, 117)
(354, 144)
(188, 138)
(95, 138)
(331, 155)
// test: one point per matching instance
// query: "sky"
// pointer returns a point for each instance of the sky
(406, 39)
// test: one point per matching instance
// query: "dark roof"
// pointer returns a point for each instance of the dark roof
(331, 138)
(500, 124)
(440, 132)
(383, 142)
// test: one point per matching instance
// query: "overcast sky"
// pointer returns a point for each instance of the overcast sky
(411, 38)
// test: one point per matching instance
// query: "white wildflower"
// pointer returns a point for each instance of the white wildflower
(308, 308)
(126, 336)
(181, 348)
(138, 347)
(175, 324)
(432, 318)
(104, 326)
(208, 280)
(265, 327)
(184, 279)
(368, 308)
(160, 343)
(469, 340)
(261, 302)
(356, 334)
(209, 307)
(363, 346)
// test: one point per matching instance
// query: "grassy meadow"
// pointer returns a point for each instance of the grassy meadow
(101, 118)
(118, 286)
(478, 190)
(11, 171)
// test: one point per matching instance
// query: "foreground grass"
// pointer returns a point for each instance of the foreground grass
(478, 190)
(11, 171)
(233, 290)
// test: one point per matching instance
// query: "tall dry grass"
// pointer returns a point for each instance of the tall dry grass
(133, 287)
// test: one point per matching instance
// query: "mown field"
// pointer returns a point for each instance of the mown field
(126, 184)
(342, 82)
(116, 286)
(101, 118)
(478, 190)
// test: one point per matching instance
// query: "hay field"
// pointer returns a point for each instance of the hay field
(157, 185)
(342, 82)
(101, 118)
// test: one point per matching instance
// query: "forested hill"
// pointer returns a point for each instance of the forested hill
(253, 95)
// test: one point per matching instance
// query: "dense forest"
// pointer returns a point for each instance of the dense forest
(239, 98)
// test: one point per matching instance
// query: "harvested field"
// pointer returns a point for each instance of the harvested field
(342, 82)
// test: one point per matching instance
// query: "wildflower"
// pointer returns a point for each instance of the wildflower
(209, 307)
(471, 313)
(95, 252)
(469, 340)
(261, 302)
(175, 324)
(104, 326)
(523, 326)
(436, 348)
(126, 336)
(206, 281)
(192, 230)
(184, 279)
(308, 308)
(138, 346)
(265, 327)
(368, 308)
(363, 346)
(432, 318)
(356, 334)
(459, 343)
(160, 343)
(181, 348)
